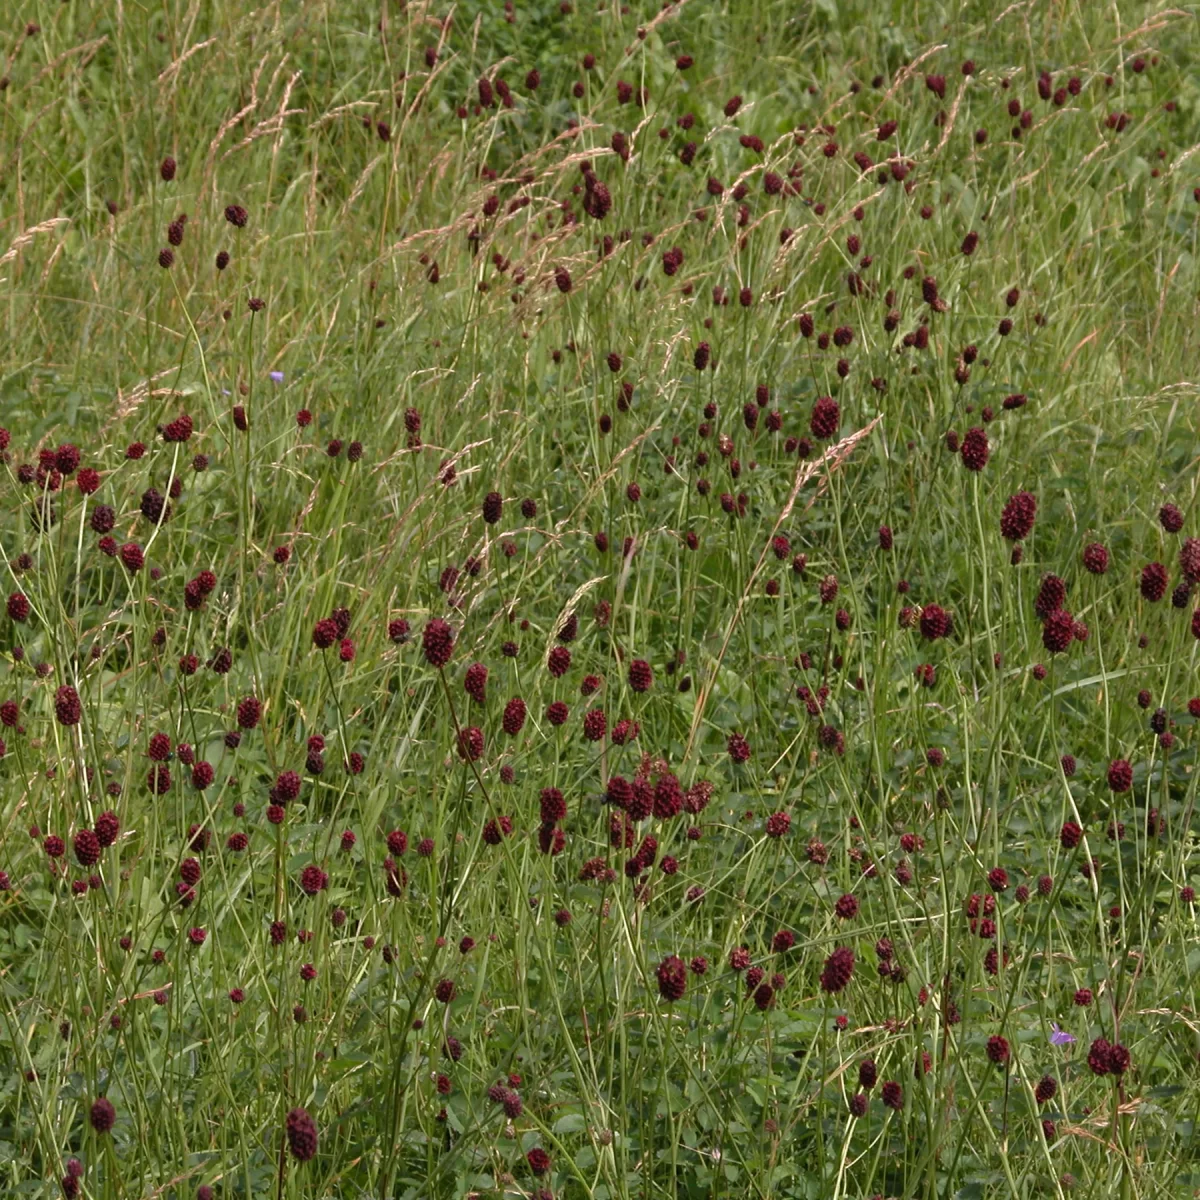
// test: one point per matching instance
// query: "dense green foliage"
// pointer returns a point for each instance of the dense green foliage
(792, 685)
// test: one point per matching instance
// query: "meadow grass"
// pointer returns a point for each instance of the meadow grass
(573, 660)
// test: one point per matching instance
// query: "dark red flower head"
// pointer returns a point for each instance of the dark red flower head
(1169, 517)
(493, 506)
(1052, 595)
(974, 449)
(514, 716)
(935, 622)
(597, 199)
(1154, 581)
(826, 418)
(1189, 559)
(438, 642)
(672, 978)
(1120, 775)
(1095, 558)
(497, 829)
(179, 430)
(18, 607)
(553, 807)
(997, 1050)
(66, 458)
(67, 707)
(107, 828)
(313, 880)
(102, 1115)
(1099, 1056)
(287, 787)
(87, 848)
(641, 676)
(475, 682)
(595, 725)
(1016, 521)
(301, 1134)
(839, 967)
(668, 798)
(1058, 632)
(249, 712)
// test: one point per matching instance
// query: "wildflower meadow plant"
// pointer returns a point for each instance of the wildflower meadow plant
(601, 600)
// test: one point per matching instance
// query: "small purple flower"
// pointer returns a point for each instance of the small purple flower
(1060, 1037)
(276, 376)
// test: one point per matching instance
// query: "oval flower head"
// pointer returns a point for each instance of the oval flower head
(276, 376)
(1060, 1037)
